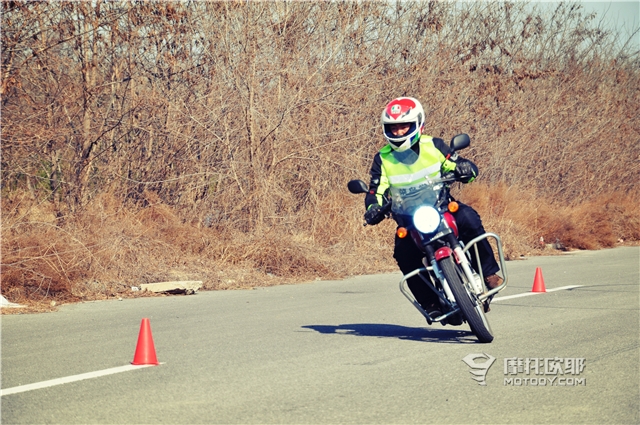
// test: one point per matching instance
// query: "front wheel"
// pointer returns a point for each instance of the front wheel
(470, 307)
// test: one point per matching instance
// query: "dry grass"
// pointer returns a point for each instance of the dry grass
(521, 217)
(106, 250)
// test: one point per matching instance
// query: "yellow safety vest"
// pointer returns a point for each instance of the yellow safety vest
(430, 163)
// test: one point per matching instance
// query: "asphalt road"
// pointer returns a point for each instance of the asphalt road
(351, 351)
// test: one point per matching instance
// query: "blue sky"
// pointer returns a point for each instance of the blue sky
(623, 15)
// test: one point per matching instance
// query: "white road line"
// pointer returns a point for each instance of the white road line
(66, 380)
(526, 294)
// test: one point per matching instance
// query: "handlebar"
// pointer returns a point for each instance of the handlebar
(386, 207)
(450, 177)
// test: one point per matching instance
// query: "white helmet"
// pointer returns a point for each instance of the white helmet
(399, 111)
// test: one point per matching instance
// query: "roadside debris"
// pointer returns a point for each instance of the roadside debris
(187, 287)
(6, 303)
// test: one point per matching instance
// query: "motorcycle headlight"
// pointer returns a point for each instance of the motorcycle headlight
(426, 219)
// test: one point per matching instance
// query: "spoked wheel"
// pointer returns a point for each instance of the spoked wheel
(471, 308)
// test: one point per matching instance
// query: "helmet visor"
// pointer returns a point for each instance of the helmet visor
(398, 138)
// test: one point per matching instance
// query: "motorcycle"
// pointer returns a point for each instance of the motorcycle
(423, 211)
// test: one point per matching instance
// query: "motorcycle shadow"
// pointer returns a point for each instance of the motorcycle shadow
(379, 330)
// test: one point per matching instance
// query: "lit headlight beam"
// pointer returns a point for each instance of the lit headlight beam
(426, 219)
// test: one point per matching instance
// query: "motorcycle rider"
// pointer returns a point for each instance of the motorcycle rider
(410, 156)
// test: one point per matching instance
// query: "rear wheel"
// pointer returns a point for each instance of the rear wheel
(472, 310)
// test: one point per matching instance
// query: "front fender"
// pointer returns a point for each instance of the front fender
(443, 252)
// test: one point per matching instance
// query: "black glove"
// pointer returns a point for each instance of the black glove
(374, 215)
(464, 171)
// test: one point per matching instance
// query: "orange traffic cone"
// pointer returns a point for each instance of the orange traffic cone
(145, 350)
(538, 282)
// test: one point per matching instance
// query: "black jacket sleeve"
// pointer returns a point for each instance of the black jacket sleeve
(374, 182)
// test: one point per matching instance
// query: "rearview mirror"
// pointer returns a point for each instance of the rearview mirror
(357, 186)
(459, 142)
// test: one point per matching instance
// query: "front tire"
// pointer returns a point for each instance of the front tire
(471, 309)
